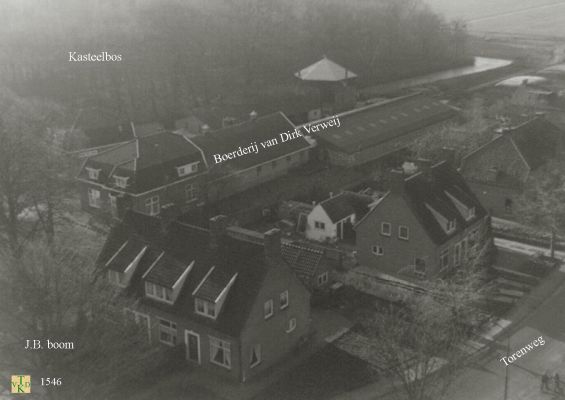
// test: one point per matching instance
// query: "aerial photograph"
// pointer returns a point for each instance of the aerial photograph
(282, 199)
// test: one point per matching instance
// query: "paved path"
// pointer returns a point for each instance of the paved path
(526, 248)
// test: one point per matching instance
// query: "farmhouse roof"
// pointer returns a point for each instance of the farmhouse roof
(345, 204)
(383, 122)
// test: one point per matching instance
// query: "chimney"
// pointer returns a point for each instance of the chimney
(272, 243)
(448, 154)
(396, 180)
(331, 195)
(425, 166)
(217, 226)
(253, 115)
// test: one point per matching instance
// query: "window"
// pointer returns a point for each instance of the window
(167, 332)
(386, 228)
(190, 192)
(255, 355)
(323, 278)
(158, 292)
(187, 169)
(206, 308)
(444, 258)
(472, 213)
(152, 205)
(291, 325)
(220, 352)
(93, 173)
(117, 278)
(378, 250)
(121, 181)
(113, 205)
(457, 255)
(403, 232)
(268, 309)
(450, 226)
(420, 266)
(283, 299)
(274, 164)
(319, 225)
(508, 203)
(94, 198)
(141, 320)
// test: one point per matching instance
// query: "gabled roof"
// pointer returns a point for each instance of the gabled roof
(382, 122)
(537, 141)
(325, 70)
(243, 135)
(302, 258)
(177, 247)
(148, 162)
(424, 192)
(345, 204)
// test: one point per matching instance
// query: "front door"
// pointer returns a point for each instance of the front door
(192, 341)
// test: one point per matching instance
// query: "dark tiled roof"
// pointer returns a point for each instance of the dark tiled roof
(420, 191)
(183, 244)
(346, 204)
(538, 141)
(382, 122)
(126, 254)
(148, 161)
(303, 259)
(259, 130)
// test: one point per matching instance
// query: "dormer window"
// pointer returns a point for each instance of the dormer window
(471, 214)
(158, 292)
(467, 212)
(187, 169)
(93, 173)
(205, 308)
(121, 181)
(117, 278)
(450, 226)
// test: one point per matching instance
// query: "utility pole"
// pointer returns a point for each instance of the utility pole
(507, 368)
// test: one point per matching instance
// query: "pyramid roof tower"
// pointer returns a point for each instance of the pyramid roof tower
(325, 70)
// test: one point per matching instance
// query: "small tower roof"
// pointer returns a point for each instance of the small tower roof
(325, 70)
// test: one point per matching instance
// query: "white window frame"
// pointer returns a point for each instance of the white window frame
(192, 333)
(451, 225)
(444, 254)
(416, 271)
(93, 173)
(158, 292)
(472, 213)
(383, 224)
(223, 345)
(117, 278)
(377, 250)
(407, 237)
(94, 200)
(258, 353)
(187, 169)
(283, 296)
(191, 189)
(323, 278)
(457, 254)
(121, 181)
(113, 205)
(208, 309)
(291, 325)
(152, 205)
(268, 309)
(169, 328)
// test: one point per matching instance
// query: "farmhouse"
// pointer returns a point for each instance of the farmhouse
(425, 226)
(228, 305)
(146, 174)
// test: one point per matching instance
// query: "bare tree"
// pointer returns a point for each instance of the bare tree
(542, 203)
(57, 297)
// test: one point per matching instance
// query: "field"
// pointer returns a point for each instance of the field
(520, 17)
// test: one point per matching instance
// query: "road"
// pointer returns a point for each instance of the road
(526, 248)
